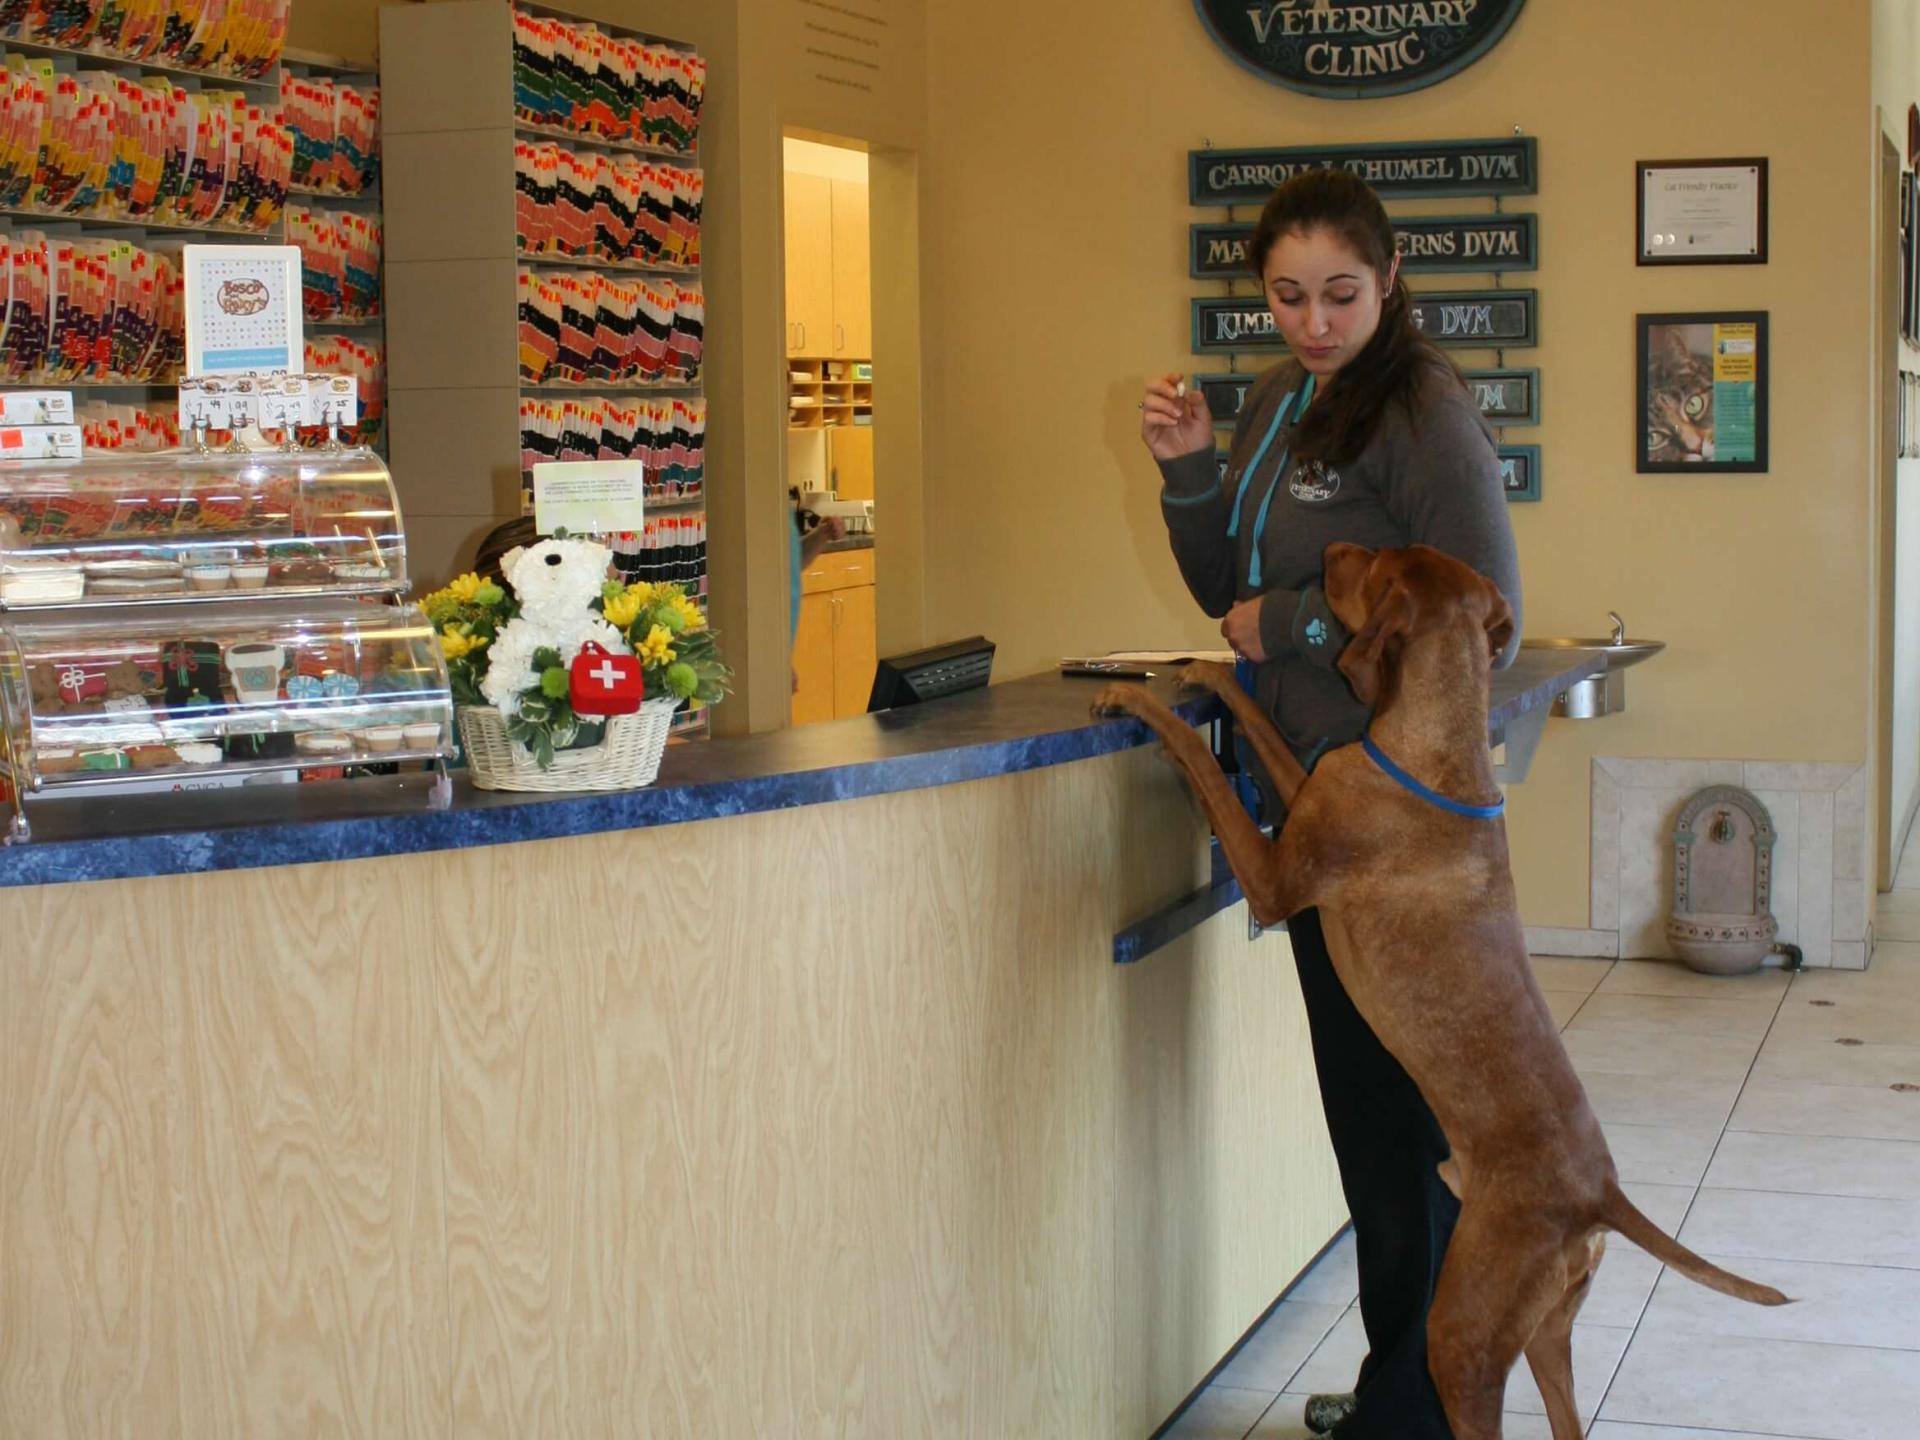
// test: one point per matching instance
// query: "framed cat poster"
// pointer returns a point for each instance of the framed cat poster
(1702, 392)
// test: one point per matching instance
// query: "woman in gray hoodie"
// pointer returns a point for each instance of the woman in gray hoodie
(1365, 434)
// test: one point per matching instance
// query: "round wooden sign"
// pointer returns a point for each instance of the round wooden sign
(1356, 49)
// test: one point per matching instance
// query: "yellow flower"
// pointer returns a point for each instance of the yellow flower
(459, 646)
(622, 610)
(657, 648)
(464, 588)
(643, 593)
(688, 612)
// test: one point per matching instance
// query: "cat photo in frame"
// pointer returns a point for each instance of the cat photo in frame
(1702, 392)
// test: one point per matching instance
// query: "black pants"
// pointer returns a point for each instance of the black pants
(1388, 1146)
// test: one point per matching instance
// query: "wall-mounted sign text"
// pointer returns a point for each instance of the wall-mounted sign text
(1400, 169)
(1429, 244)
(1226, 395)
(1234, 323)
(1477, 317)
(1520, 471)
(1506, 397)
(1356, 49)
(1481, 243)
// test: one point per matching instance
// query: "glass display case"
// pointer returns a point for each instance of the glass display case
(195, 619)
(232, 689)
(189, 526)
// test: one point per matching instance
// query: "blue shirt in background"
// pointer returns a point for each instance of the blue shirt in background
(793, 578)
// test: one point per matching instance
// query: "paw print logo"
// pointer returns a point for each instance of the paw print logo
(1316, 632)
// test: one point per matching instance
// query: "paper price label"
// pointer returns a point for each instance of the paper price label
(333, 400)
(204, 406)
(284, 404)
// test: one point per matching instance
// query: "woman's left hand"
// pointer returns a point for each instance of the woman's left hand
(1242, 630)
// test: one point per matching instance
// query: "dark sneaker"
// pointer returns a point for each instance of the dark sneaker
(1326, 1411)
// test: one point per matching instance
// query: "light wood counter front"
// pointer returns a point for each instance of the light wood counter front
(667, 1132)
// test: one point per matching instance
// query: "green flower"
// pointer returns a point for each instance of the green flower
(553, 683)
(488, 595)
(681, 680)
(671, 618)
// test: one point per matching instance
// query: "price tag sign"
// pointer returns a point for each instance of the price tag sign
(284, 403)
(333, 400)
(205, 404)
(588, 497)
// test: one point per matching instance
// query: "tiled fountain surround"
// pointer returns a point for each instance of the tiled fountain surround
(1819, 860)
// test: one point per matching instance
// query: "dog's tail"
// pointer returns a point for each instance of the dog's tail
(1620, 1213)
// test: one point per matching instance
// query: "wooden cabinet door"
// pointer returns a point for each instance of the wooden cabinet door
(810, 266)
(852, 272)
(856, 650)
(850, 461)
(813, 660)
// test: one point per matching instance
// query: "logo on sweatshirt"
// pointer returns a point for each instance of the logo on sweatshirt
(1313, 483)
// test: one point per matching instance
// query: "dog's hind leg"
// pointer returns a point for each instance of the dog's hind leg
(1550, 1351)
(1285, 771)
(1501, 1278)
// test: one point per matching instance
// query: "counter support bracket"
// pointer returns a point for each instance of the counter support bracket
(1521, 736)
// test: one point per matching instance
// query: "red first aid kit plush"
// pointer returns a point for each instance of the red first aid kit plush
(603, 684)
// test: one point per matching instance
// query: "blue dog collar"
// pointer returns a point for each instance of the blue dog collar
(1407, 782)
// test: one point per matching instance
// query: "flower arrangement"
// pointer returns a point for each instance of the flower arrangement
(506, 652)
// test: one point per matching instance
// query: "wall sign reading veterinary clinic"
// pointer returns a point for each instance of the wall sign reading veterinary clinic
(1357, 49)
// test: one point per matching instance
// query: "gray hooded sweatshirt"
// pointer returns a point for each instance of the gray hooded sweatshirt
(1431, 478)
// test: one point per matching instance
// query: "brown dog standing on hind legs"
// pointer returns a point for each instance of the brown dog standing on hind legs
(1416, 898)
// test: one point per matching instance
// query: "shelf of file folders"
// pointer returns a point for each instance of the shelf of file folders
(591, 328)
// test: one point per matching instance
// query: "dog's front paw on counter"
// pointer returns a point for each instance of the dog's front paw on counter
(1116, 700)
(1206, 675)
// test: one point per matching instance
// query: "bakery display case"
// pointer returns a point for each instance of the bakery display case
(229, 690)
(192, 526)
(195, 620)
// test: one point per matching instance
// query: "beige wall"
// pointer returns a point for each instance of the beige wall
(1058, 282)
(1037, 523)
(349, 29)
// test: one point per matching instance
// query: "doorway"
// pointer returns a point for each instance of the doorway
(829, 478)
(1897, 597)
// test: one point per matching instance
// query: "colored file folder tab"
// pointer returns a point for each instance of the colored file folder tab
(577, 77)
(242, 38)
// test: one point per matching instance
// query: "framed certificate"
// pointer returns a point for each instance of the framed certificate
(243, 310)
(1701, 212)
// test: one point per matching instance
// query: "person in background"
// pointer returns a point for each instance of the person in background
(1367, 434)
(493, 546)
(805, 540)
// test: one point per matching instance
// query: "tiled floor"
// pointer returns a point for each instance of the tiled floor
(1766, 1121)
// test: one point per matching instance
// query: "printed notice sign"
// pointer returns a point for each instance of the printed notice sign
(243, 309)
(588, 497)
(1735, 370)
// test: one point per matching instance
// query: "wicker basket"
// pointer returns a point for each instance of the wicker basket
(626, 759)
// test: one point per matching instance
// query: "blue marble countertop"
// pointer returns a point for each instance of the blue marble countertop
(1020, 725)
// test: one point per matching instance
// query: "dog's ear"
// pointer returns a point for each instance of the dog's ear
(510, 562)
(1499, 622)
(1365, 660)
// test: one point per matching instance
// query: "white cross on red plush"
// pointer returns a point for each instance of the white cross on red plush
(605, 673)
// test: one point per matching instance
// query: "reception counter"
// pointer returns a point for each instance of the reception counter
(797, 1094)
